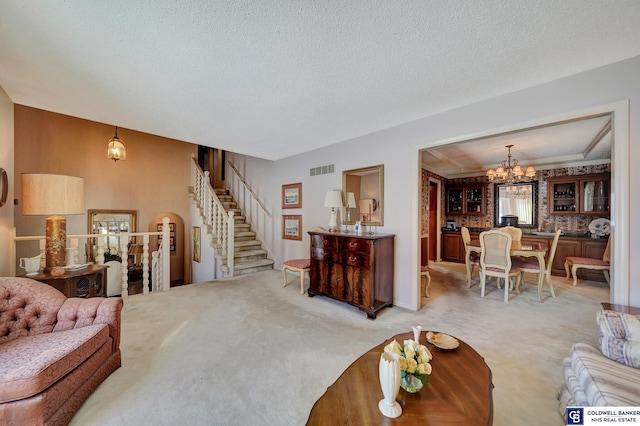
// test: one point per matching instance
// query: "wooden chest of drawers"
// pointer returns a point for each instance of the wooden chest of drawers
(356, 269)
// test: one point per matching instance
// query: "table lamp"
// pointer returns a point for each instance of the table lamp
(350, 204)
(54, 195)
(136, 251)
(333, 200)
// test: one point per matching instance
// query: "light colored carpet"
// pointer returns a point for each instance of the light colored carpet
(246, 351)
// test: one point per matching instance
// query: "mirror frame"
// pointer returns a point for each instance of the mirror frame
(534, 194)
(380, 202)
(92, 213)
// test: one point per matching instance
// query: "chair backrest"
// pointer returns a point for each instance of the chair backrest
(495, 250)
(466, 237)
(552, 252)
(516, 233)
(607, 251)
(114, 277)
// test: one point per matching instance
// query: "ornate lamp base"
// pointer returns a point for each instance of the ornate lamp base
(56, 242)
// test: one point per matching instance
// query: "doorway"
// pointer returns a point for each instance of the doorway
(620, 289)
(433, 221)
(212, 160)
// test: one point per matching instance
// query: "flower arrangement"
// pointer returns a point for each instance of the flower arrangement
(414, 364)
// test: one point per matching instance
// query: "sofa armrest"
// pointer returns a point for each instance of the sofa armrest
(77, 312)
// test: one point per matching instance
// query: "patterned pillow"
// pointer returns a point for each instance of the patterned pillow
(620, 337)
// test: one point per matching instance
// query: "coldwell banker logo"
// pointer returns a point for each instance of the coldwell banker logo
(575, 416)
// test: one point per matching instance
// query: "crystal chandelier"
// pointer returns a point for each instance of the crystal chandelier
(116, 149)
(510, 170)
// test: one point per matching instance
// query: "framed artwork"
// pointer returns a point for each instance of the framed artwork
(195, 243)
(291, 227)
(292, 196)
(172, 236)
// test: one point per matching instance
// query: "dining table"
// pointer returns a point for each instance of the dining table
(518, 248)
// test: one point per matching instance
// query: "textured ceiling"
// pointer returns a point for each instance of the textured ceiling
(274, 78)
(572, 143)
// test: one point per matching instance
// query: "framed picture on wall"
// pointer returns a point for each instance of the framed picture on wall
(195, 243)
(172, 236)
(291, 227)
(292, 196)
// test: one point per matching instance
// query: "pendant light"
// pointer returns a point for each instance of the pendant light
(116, 150)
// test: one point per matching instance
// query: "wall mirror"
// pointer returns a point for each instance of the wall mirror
(109, 222)
(363, 196)
(517, 199)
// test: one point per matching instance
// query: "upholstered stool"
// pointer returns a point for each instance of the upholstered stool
(300, 266)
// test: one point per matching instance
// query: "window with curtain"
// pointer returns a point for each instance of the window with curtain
(517, 200)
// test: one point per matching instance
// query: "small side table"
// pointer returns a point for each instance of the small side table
(86, 282)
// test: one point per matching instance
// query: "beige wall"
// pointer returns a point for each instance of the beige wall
(154, 178)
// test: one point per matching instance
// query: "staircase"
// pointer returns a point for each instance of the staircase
(249, 256)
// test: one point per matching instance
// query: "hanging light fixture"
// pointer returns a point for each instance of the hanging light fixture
(116, 150)
(510, 170)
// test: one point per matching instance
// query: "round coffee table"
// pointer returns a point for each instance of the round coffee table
(459, 391)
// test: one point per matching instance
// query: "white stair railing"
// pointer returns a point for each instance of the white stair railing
(255, 211)
(215, 217)
(161, 268)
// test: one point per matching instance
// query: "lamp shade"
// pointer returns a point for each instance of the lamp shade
(135, 249)
(48, 194)
(333, 199)
(351, 200)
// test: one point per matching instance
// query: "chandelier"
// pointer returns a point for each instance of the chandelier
(116, 149)
(517, 191)
(510, 170)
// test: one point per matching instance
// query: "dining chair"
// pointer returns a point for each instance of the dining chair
(495, 260)
(114, 278)
(425, 279)
(516, 233)
(588, 263)
(474, 257)
(298, 266)
(528, 264)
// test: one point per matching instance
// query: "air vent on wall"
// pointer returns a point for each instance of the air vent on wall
(321, 170)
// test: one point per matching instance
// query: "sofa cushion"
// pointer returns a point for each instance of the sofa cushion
(604, 382)
(32, 364)
(620, 337)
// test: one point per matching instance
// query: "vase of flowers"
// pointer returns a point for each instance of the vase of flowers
(414, 364)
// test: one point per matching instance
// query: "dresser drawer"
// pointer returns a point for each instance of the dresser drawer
(324, 241)
(326, 255)
(357, 260)
(357, 244)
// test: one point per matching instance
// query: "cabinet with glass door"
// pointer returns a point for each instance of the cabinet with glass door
(467, 200)
(584, 194)
(594, 195)
(455, 201)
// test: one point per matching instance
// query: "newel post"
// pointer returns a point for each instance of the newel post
(166, 261)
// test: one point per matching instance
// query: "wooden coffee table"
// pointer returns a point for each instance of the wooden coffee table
(459, 391)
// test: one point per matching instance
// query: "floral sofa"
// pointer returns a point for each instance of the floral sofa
(608, 375)
(54, 350)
